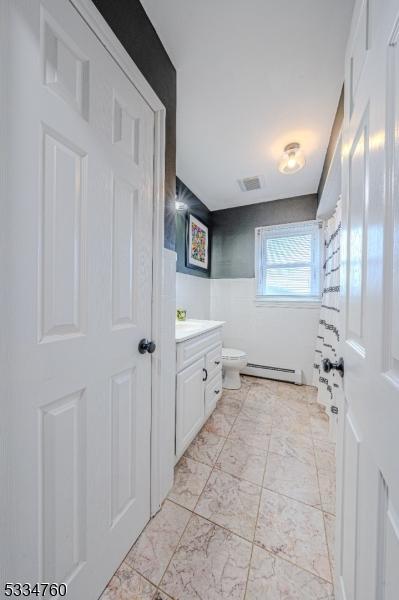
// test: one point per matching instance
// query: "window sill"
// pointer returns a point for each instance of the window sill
(285, 303)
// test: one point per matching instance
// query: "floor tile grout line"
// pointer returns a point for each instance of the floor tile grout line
(291, 562)
(285, 495)
(193, 510)
(229, 531)
(257, 514)
(222, 437)
(288, 456)
(263, 487)
(319, 508)
(213, 467)
(286, 432)
(238, 476)
(191, 516)
(253, 543)
(321, 504)
(271, 552)
(123, 561)
(175, 549)
(328, 549)
(239, 535)
(315, 464)
(209, 520)
(326, 472)
(261, 490)
(145, 578)
(154, 585)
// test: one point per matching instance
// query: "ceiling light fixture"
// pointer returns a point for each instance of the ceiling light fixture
(180, 205)
(292, 160)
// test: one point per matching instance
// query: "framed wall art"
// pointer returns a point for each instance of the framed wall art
(197, 246)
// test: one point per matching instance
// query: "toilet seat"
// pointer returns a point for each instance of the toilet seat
(233, 354)
(233, 362)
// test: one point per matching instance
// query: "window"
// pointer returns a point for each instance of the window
(287, 262)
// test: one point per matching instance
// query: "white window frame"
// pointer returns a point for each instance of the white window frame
(287, 229)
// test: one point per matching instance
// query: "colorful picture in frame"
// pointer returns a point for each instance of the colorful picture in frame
(197, 252)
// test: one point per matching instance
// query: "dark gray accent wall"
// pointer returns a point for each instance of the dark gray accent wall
(130, 23)
(199, 210)
(335, 131)
(233, 239)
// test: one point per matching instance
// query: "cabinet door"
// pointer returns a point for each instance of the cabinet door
(213, 392)
(189, 404)
(214, 361)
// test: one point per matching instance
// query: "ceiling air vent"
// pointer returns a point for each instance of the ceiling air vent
(249, 184)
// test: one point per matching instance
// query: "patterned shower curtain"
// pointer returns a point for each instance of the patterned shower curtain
(327, 341)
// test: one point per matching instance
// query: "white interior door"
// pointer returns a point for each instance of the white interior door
(79, 283)
(368, 467)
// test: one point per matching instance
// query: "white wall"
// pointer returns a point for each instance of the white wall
(193, 294)
(272, 335)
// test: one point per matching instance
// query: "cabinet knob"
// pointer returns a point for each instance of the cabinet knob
(216, 391)
(217, 362)
(206, 374)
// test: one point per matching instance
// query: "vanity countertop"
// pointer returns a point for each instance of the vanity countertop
(188, 329)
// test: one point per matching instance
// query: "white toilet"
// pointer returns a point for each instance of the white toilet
(233, 362)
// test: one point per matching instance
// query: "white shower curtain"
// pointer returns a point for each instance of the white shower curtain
(329, 384)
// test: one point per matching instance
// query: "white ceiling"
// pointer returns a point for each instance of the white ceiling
(252, 76)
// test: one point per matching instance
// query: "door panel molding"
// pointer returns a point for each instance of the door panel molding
(65, 67)
(360, 46)
(62, 539)
(123, 446)
(124, 253)
(390, 345)
(388, 545)
(62, 255)
(357, 234)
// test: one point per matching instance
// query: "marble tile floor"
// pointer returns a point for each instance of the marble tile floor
(252, 510)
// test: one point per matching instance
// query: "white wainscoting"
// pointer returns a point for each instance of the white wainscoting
(272, 335)
(193, 294)
(168, 373)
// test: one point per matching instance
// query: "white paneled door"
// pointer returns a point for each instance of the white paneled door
(368, 467)
(81, 155)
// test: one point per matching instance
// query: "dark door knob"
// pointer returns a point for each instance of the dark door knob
(146, 346)
(338, 366)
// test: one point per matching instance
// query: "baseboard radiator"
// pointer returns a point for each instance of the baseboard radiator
(279, 373)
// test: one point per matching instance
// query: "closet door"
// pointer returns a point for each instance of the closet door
(79, 285)
(368, 472)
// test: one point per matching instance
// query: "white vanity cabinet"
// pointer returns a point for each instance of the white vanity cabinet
(198, 384)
